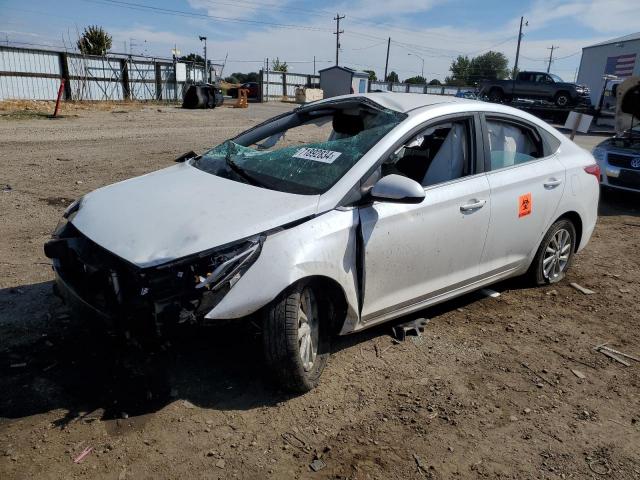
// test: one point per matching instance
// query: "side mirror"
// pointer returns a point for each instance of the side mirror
(396, 188)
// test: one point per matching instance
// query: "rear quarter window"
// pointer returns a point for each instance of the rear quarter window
(550, 141)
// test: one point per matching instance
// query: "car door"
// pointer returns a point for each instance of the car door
(527, 182)
(416, 251)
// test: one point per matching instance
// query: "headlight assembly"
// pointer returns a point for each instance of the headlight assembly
(231, 265)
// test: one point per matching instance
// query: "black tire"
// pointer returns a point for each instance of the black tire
(562, 99)
(536, 272)
(282, 347)
(496, 95)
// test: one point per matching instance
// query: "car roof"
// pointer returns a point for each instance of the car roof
(403, 102)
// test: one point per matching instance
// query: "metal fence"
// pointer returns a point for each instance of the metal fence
(32, 74)
(282, 85)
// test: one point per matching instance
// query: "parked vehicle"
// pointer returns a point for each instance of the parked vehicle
(537, 85)
(619, 157)
(329, 219)
(253, 87)
(619, 160)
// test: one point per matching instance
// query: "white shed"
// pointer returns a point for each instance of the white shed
(337, 80)
(619, 57)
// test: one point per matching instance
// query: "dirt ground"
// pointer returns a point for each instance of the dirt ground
(489, 390)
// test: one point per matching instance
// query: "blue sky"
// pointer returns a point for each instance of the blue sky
(248, 31)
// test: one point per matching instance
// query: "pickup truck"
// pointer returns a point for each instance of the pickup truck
(536, 85)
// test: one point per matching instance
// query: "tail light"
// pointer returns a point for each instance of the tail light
(593, 170)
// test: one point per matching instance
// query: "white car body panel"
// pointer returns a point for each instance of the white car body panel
(179, 211)
(513, 239)
(415, 255)
(414, 249)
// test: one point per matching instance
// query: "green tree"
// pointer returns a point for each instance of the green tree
(94, 41)
(418, 79)
(491, 65)
(278, 66)
(192, 57)
(372, 75)
(460, 69)
(393, 77)
(435, 81)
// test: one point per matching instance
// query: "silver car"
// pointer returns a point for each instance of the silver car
(329, 219)
(619, 160)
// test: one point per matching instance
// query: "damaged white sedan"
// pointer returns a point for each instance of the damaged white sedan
(329, 219)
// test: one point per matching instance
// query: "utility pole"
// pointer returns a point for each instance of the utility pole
(515, 66)
(206, 69)
(552, 48)
(386, 65)
(314, 65)
(337, 33)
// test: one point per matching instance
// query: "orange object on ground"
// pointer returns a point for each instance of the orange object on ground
(243, 98)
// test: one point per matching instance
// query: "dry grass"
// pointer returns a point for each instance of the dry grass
(17, 109)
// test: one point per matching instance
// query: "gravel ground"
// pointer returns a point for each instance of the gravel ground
(493, 389)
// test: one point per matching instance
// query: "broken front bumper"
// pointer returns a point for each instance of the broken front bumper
(96, 283)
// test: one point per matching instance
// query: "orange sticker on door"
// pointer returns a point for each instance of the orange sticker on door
(524, 205)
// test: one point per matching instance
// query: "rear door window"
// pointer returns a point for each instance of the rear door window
(512, 143)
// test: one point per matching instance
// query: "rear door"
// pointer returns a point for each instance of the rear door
(526, 182)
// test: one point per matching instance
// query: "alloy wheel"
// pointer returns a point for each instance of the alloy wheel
(556, 255)
(308, 326)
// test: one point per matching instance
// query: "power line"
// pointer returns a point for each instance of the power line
(169, 11)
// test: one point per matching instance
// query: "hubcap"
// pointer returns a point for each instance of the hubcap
(562, 101)
(556, 255)
(308, 329)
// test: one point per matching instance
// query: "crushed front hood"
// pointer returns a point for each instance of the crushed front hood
(179, 211)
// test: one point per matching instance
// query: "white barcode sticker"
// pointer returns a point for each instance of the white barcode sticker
(317, 154)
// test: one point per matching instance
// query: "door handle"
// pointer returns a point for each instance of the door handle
(469, 207)
(552, 183)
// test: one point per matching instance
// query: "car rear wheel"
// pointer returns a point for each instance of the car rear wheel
(296, 338)
(562, 99)
(555, 253)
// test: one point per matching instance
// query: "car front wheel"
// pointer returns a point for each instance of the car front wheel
(296, 338)
(554, 255)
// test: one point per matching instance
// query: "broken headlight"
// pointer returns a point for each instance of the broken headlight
(230, 265)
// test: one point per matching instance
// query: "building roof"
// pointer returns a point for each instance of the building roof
(346, 69)
(624, 38)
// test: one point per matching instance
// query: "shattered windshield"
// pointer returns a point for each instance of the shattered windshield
(305, 152)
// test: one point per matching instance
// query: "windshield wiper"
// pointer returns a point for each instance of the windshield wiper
(241, 172)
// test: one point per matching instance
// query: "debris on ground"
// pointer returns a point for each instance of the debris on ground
(6, 188)
(487, 292)
(580, 288)
(18, 365)
(317, 465)
(414, 327)
(220, 464)
(578, 374)
(615, 354)
(83, 455)
(421, 467)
